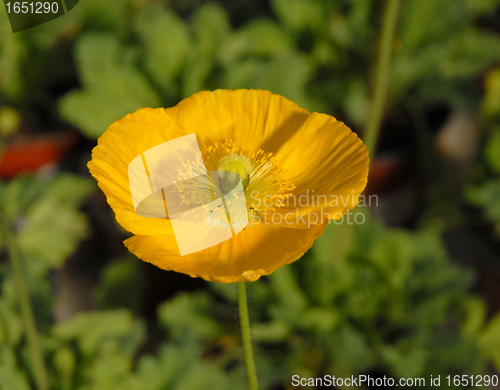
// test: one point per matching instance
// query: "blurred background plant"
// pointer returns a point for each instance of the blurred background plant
(412, 292)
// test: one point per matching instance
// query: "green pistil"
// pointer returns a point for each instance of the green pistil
(236, 164)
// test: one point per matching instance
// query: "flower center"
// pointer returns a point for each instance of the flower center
(264, 185)
(263, 181)
(237, 164)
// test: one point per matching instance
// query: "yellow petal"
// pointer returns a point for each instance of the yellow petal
(329, 174)
(124, 140)
(253, 118)
(257, 250)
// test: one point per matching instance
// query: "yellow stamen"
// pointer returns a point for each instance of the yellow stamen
(264, 182)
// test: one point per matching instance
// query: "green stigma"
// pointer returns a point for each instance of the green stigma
(236, 164)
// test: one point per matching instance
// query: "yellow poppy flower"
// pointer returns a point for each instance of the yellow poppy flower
(298, 171)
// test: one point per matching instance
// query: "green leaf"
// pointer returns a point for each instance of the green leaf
(112, 370)
(258, 39)
(352, 351)
(11, 324)
(112, 86)
(439, 59)
(96, 15)
(203, 376)
(468, 53)
(286, 75)
(69, 189)
(286, 288)
(166, 41)
(18, 194)
(486, 195)
(392, 255)
(328, 274)
(475, 309)
(160, 373)
(482, 6)
(275, 331)
(228, 291)
(13, 379)
(190, 316)
(416, 31)
(181, 368)
(110, 14)
(405, 364)
(356, 101)
(492, 151)
(489, 341)
(13, 52)
(491, 100)
(103, 332)
(122, 284)
(53, 226)
(195, 73)
(211, 26)
(300, 14)
(320, 320)
(65, 364)
(46, 217)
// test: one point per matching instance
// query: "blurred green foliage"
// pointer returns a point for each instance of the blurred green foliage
(45, 216)
(130, 54)
(316, 53)
(112, 85)
(364, 299)
(484, 192)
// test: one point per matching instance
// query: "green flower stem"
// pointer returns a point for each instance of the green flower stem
(246, 336)
(382, 74)
(64, 6)
(33, 339)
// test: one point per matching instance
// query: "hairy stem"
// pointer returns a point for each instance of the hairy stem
(246, 336)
